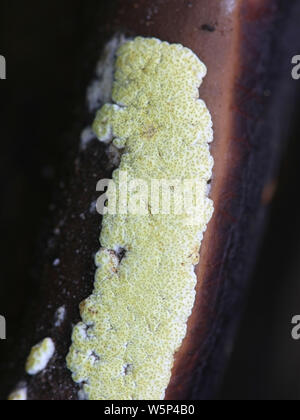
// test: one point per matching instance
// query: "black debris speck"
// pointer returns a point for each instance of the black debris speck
(208, 27)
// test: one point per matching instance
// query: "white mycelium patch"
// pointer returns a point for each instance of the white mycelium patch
(100, 90)
(144, 293)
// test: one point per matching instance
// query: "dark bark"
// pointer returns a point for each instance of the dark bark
(250, 94)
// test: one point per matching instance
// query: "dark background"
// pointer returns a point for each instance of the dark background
(43, 44)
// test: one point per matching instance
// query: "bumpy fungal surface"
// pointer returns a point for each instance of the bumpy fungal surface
(40, 356)
(144, 293)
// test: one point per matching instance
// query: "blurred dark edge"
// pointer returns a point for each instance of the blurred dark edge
(43, 43)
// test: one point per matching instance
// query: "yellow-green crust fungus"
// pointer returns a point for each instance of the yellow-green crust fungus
(144, 293)
(40, 356)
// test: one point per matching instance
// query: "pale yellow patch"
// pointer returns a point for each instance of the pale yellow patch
(40, 356)
(18, 395)
(136, 318)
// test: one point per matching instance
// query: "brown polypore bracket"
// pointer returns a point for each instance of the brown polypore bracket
(234, 39)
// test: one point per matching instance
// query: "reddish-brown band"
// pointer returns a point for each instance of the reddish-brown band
(233, 39)
(229, 37)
